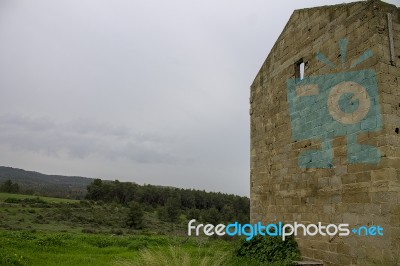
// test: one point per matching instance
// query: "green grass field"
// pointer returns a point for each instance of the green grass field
(24, 212)
(4, 196)
(52, 231)
(40, 248)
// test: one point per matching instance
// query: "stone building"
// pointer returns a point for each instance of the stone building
(325, 140)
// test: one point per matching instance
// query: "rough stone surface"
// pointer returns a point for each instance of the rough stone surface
(308, 167)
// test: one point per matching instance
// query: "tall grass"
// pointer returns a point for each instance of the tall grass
(177, 256)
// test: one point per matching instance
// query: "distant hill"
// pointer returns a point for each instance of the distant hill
(49, 185)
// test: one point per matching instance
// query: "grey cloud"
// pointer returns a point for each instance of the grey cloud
(82, 138)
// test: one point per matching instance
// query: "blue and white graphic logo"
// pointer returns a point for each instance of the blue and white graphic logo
(331, 105)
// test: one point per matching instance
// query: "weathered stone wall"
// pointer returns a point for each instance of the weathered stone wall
(346, 182)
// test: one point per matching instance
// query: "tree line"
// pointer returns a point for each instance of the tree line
(9, 187)
(170, 203)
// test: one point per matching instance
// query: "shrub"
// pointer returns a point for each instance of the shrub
(12, 259)
(102, 242)
(51, 241)
(135, 216)
(106, 241)
(84, 203)
(194, 214)
(148, 207)
(12, 200)
(23, 235)
(269, 249)
(138, 244)
(36, 200)
(117, 232)
(211, 215)
(9, 187)
(89, 231)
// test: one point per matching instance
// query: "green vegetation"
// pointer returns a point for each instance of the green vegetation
(126, 224)
(4, 196)
(21, 212)
(9, 187)
(38, 248)
(35, 248)
(135, 216)
(170, 202)
(269, 249)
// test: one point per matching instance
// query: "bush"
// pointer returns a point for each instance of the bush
(36, 200)
(24, 236)
(135, 216)
(148, 208)
(138, 244)
(84, 203)
(211, 215)
(117, 232)
(9, 187)
(51, 241)
(270, 249)
(193, 214)
(12, 200)
(12, 259)
(101, 241)
(89, 231)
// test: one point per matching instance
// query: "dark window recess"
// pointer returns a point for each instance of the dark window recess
(396, 130)
(299, 68)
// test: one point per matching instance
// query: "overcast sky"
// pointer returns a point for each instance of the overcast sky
(147, 91)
